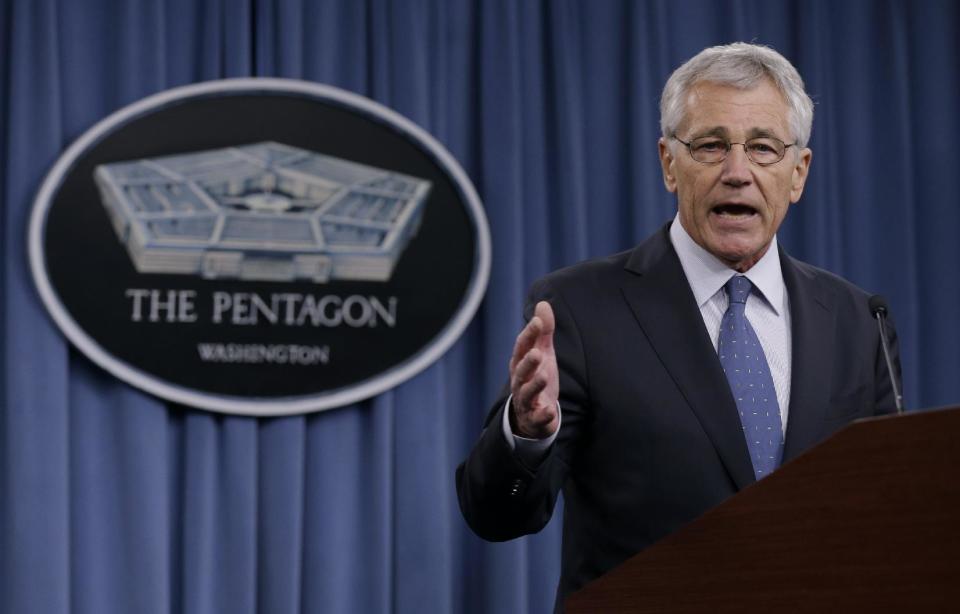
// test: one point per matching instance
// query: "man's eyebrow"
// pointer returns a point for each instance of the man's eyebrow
(762, 132)
(722, 132)
(713, 131)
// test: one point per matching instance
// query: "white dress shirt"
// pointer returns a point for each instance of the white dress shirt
(768, 310)
(769, 314)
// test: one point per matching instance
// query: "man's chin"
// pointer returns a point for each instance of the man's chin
(740, 257)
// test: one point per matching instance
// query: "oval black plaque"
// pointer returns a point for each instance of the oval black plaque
(259, 246)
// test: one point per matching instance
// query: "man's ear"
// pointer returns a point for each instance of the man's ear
(667, 162)
(800, 171)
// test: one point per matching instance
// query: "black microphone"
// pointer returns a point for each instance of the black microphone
(878, 307)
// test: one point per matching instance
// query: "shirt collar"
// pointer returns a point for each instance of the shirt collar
(707, 274)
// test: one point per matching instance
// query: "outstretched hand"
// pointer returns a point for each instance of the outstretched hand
(534, 378)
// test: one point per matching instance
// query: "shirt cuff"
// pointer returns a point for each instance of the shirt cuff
(530, 451)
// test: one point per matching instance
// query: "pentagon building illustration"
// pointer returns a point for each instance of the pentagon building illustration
(264, 211)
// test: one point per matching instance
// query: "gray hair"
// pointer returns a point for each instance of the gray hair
(741, 65)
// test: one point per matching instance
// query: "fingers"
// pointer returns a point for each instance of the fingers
(537, 332)
(535, 415)
(528, 391)
(526, 340)
(527, 366)
(525, 380)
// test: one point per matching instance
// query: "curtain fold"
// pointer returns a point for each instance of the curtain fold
(114, 501)
(35, 448)
(118, 528)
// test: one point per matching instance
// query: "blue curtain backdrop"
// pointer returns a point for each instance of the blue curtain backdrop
(112, 501)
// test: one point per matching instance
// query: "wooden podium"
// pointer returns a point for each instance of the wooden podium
(867, 521)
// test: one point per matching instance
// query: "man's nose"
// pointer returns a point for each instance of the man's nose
(736, 166)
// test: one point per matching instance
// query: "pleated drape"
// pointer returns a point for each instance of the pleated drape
(112, 501)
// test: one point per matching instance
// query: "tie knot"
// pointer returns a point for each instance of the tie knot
(738, 289)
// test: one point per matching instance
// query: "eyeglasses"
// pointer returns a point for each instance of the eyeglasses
(764, 150)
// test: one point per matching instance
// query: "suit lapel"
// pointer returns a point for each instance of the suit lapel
(663, 304)
(812, 319)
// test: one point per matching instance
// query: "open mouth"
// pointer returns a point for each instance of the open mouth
(734, 210)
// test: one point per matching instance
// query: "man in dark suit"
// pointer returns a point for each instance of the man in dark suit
(651, 385)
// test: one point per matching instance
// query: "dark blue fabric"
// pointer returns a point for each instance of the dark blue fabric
(112, 501)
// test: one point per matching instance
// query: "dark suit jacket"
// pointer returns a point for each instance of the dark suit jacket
(650, 436)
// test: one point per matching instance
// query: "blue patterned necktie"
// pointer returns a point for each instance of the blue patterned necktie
(745, 364)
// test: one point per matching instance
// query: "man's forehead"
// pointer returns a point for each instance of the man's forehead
(761, 110)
